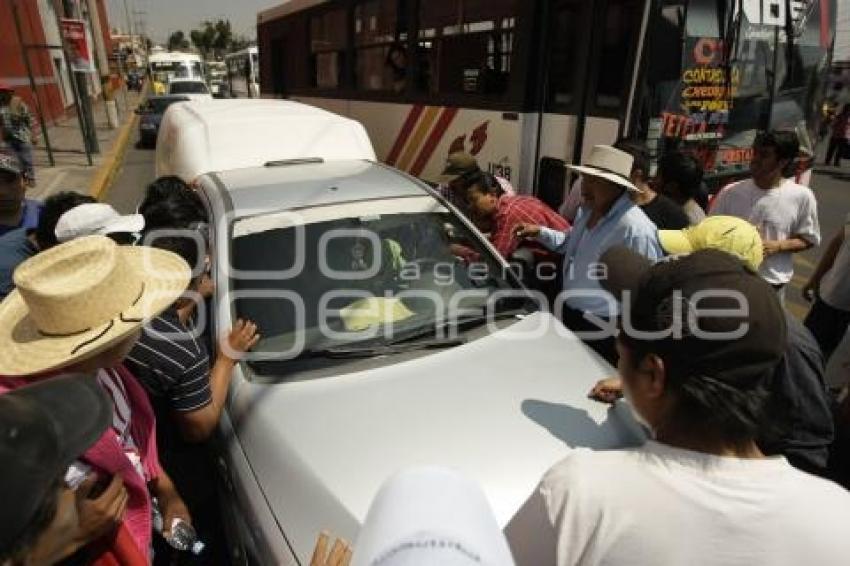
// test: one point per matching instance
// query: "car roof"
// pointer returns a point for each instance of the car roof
(185, 80)
(260, 190)
(201, 137)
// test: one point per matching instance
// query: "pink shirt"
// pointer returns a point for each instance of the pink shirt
(108, 458)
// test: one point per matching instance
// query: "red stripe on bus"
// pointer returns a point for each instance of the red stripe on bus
(436, 135)
(404, 133)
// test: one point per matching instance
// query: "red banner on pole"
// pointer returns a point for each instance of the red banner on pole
(78, 43)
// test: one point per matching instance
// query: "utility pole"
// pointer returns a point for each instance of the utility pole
(83, 100)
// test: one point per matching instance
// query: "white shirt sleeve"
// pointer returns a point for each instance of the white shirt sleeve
(719, 207)
(807, 225)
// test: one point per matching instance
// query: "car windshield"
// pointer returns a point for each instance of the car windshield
(188, 87)
(369, 273)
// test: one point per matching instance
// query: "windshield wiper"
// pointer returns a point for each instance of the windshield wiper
(347, 352)
(461, 323)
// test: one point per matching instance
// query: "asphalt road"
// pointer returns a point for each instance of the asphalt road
(136, 172)
(831, 186)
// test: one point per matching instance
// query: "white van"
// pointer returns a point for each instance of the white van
(201, 137)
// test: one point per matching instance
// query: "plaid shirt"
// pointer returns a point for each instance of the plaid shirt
(515, 210)
(16, 121)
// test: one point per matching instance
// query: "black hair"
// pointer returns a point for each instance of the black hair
(486, 182)
(785, 144)
(682, 169)
(171, 203)
(44, 515)
(54, 207)
(638, 152)
(184, 246)
(706, 405)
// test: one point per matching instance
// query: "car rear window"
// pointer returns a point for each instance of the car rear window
(188, 88)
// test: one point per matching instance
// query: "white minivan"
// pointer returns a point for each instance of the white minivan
(196, 138)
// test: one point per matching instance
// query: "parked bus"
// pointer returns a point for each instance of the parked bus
(164, 66)
(243, 73)
(528, 86)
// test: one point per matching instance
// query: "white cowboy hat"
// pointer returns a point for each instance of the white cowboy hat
(609, 163)
(79, 298)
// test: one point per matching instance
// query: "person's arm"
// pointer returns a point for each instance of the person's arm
(794, 244)
(553, 240)
(805, 234)
(198, 425)
(171, 505)
(824, 265)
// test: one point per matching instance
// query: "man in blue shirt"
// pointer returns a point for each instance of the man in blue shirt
(22, 243)
(607, 218)
(15, 210)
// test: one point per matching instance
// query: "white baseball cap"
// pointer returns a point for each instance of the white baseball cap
(428, 517)
(96, 218)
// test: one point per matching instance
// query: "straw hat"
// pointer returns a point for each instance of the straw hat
(79, 298)
(609, 163)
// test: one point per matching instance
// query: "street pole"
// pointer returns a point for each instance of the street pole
(101, 60)
(78, 105)
(84, 101)
(25, 55)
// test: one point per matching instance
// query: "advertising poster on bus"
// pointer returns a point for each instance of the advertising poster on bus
(79, 45)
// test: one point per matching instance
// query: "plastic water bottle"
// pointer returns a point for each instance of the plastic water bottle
(181, 537)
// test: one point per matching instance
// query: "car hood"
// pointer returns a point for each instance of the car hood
(501, 409)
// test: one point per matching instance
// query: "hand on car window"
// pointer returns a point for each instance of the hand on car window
(243, 336)
(340, 553)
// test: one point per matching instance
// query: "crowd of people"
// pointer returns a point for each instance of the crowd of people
(110, 389)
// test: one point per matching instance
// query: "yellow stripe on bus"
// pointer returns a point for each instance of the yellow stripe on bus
(422, 129)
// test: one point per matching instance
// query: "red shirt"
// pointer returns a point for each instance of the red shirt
(517, 209)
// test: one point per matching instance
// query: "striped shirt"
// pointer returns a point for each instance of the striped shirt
(172, 363)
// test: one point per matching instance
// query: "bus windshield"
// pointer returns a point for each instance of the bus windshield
(721, 75)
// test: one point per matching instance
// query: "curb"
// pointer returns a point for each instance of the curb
(109, 168)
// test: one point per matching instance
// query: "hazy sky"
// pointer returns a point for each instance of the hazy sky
(165, 16)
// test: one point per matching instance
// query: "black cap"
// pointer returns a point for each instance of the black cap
(718, 318)
(43, 428)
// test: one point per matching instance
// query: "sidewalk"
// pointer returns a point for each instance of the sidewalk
(71, 170)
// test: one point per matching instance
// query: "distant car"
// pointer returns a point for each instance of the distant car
(134, 80)
(150, 114)
(194, 89)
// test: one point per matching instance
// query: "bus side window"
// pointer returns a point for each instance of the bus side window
(465, 47)
(380, 40)
(621, 25)
(567, 37)
(328, 43)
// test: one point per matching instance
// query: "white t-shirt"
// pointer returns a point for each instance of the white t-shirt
(835, 285)
(661, 506)
(779, 213)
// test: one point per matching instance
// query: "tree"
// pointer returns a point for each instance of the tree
(177, 40)
(213, 37)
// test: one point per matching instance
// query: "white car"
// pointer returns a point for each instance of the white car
(393, 334)
(193, 89)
